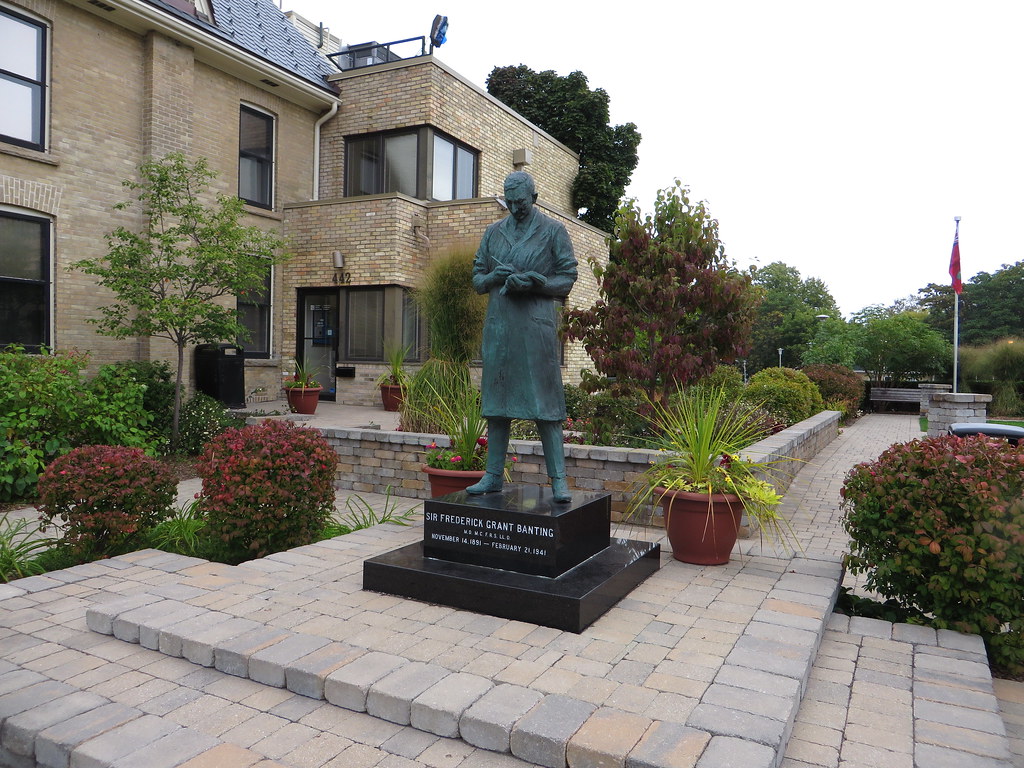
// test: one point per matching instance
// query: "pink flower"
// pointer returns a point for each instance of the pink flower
(482, 442)
(515, 458)
(455, 459)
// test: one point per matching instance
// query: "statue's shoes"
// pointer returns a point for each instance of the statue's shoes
(489, 483)
(560, 490)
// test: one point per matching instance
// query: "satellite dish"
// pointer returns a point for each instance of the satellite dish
(438, 31)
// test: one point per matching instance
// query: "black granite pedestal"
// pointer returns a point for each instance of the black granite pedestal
(518, 555)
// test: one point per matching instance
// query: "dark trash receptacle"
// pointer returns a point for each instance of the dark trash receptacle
(220, 373)
(963, 428)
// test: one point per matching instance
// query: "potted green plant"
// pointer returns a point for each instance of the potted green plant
(302, 390)
(451, 405)
(702, 482)
(394, 380)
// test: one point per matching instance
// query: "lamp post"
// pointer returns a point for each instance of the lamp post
(780, 357)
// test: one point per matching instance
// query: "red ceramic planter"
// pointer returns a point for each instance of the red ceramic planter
(445, 481)
(303, 399)
(391, 396)
(701, 529)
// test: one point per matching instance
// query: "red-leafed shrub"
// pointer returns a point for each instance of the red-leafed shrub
(102, 497)
(837, 384)
(266, 488)
(938, 526)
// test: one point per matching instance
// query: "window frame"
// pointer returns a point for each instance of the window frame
(39, 86)
(45, 281)
(267, 321)
(356, 147)
(458, 148)
(265, 164)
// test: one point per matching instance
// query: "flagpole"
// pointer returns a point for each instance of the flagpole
(956, 315)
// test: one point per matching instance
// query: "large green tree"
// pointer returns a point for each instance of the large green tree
(171, 279)
(578, 117)
(900, 347)
(671, 305)
(787, 316)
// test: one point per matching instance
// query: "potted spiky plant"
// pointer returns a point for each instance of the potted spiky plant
(394, 380)
(702, 482)
(302, 390)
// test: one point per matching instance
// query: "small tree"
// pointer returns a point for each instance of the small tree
(168, 278)
(671, 305)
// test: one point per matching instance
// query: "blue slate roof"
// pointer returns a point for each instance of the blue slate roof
(258, 27)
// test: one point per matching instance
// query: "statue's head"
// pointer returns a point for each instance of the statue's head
(520, 194)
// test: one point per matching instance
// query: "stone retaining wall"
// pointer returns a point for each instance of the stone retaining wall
(371, 460)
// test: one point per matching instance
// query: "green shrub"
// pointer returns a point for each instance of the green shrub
(786, 393)
(938, 526)
(266, 488)
(158, 396)
(102, 498)
(202, 419)
(726, 378)
(578, 403)
(838, 385)
(47, 408)
(113, 411)
(618, 420)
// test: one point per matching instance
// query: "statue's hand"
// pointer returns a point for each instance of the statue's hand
(536, 278)
(500, 275)
(517, 283)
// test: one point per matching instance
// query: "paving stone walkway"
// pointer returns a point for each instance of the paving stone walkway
(158, 660)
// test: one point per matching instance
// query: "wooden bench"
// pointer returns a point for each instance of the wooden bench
(895, 395)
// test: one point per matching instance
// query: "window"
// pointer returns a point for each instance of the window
(365, 323)
(22, 80)
(454, 176)
(254, 314)
(24, 281)
(383, 163)
(399, 162)
(256, 157)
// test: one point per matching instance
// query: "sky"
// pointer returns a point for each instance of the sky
(839, 138)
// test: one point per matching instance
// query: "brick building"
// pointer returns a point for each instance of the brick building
(367, 173)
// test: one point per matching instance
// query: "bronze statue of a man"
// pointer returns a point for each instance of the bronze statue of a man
(525, 262)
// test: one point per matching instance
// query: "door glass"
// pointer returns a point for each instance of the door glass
(320, 339)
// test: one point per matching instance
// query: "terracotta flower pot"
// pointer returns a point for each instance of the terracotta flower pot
(445, 481)
(701, 529)
(391, 396)
(303, 399)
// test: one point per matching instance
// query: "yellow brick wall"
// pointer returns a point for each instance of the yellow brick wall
(117, 97)
(426, 92)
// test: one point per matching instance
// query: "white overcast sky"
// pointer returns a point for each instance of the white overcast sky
(840, 138)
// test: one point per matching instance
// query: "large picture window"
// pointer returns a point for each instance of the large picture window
(24, 281)
(421, 163)
(254, 314)
(256, 157)
(22, 80)
(383, 163)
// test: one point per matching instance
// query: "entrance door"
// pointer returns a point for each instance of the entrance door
(318, 344)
